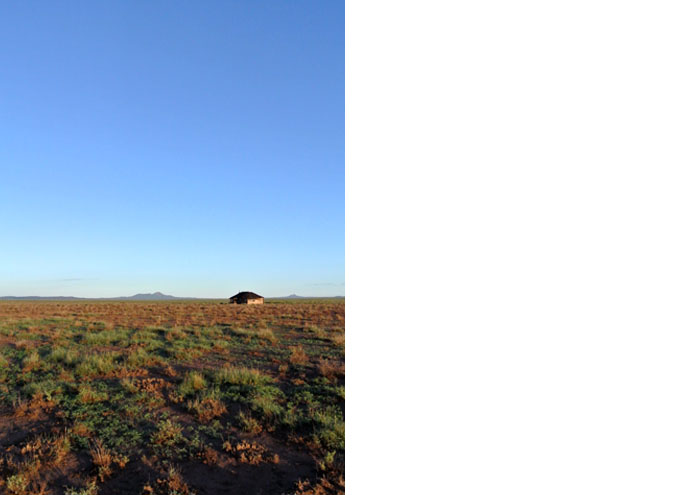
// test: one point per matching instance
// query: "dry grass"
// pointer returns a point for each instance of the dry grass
(167, 433)
(30, 460)
(84, 385)
(174, 315)
(194, 381)
(31, 362)
(323, 486)
(172, 484)
(338, 339)
(33, 408)
(207, 409)
(298, 356)
(105, 460)
(333, 370)
(102, 459)
(87, 395)
(235, 375)
(250, 453)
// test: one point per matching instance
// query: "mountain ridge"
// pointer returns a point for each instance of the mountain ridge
(153, 296)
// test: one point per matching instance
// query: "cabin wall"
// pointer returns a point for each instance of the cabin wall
(247, 301)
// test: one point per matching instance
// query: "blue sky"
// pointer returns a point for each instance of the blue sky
(195, 148)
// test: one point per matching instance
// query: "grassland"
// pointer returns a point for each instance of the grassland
(172, 398)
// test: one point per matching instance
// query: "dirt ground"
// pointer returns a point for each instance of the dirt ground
(172, 398)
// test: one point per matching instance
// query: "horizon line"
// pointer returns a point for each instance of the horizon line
(293, 295)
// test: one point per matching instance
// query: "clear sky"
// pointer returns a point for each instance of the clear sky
(193, 148)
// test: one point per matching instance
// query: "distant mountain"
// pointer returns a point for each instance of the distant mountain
(157, 296)
(295, 296)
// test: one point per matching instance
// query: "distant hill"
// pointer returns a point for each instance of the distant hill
(156, 296)
(295, 296)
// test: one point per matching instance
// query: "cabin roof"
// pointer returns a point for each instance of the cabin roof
(247, 295)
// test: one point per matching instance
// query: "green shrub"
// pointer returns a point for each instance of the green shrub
(249, 424)
(90, 489)
(63, 355)
(96, 364)
(264, 402)
(16, 484)
(45, 388)
(329, 428)
(140, 358)
(232, 375)
(192, 382)
(87, 395)
(33, 360)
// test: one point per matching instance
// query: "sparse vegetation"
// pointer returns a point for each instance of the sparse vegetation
(232, 375)
(93, 395)
(207, 408)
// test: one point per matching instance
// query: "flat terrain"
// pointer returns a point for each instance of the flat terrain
(172, 398)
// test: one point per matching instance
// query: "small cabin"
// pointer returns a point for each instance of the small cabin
(246, 298)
